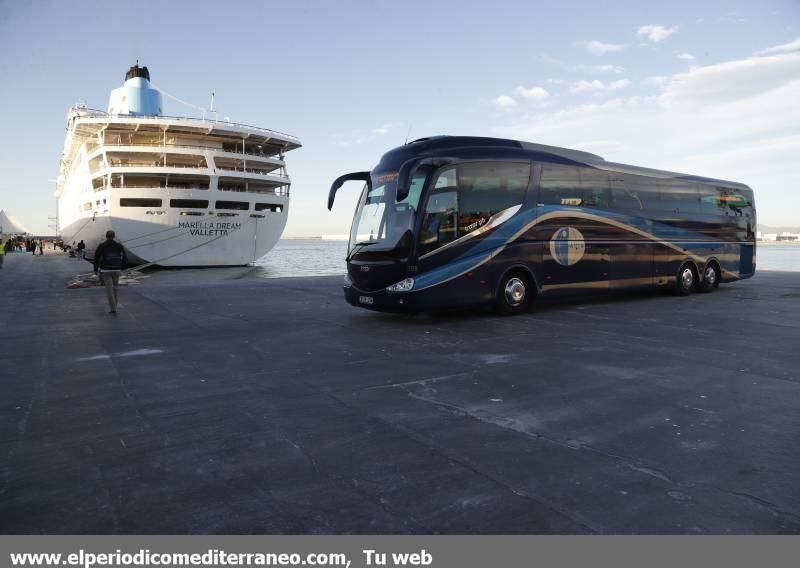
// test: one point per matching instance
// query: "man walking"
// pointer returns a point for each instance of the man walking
(109, 259)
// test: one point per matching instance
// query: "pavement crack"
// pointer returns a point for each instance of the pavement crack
(516, 426)
(648, 471)
(422, 382)
(762, 503)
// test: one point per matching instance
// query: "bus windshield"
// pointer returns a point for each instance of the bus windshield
(380, 220)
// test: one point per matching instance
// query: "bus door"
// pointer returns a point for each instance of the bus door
(465, 205)
(575, 254)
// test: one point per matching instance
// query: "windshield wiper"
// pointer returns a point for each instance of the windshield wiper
(353, 251)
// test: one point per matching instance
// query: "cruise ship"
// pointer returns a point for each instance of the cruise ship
(177, 191)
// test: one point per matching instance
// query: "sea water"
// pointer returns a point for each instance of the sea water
(304, 257)
(778, 256)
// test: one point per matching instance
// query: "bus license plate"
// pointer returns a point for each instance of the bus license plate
(366, 299)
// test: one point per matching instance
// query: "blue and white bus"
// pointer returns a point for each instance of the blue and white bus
(460, 221)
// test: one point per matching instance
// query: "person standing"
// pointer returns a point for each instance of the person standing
(109, 259)
(2, 252)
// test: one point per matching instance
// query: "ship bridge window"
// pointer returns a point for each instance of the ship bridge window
(189, 203)
(238, 205)
(274, 207)
(139, 202)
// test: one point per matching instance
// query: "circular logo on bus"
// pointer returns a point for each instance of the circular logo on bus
(567, 246)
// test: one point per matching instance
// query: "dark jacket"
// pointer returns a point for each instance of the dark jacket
(110, 255)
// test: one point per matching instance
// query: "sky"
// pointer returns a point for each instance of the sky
(708, 88)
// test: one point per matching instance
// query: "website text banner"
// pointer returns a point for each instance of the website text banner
(396, 551)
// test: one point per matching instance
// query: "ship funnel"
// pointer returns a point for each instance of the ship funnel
(135, 97)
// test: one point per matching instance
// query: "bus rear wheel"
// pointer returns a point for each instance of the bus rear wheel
(687, 280)
(515, 293)
(710, 278)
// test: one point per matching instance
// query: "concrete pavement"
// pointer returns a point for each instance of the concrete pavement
(217, 403)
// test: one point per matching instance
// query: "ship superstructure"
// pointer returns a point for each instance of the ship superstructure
(177, 191)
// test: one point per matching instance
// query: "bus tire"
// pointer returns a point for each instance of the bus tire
(515, 293)
(710, 277)
(687, 279)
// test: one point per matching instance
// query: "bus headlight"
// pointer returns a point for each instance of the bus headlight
(402, 286)
(347, 282)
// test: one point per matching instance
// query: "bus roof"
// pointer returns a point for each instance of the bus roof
(437, 144)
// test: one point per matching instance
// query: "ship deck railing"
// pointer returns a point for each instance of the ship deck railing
(155, 149)
(96, 113)
(152, 165)
(252, 171)
(276, 190)
(157, 166)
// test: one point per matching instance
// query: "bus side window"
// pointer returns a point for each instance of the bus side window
(710, 202)
(447, 178)
(595, 188)
(487, 188)
(732, 201)
(415, 190)
(560, 185)
(679, 196)
(633, 192)
(464, 198)
(440, 221)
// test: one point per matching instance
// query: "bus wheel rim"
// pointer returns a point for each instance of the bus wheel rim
(711, 276)
(515, 291)
(687, 278)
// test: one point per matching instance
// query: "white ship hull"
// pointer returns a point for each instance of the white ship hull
(176, 240)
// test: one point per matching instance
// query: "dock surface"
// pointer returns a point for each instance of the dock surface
(218, 403)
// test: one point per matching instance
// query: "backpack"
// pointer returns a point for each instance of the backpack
(113, 259)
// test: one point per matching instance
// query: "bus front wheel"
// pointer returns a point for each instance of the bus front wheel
(515, 293)
(687, 280)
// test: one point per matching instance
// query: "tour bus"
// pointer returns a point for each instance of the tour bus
(452, 221)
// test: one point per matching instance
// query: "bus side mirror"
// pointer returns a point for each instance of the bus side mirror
(339, 182)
